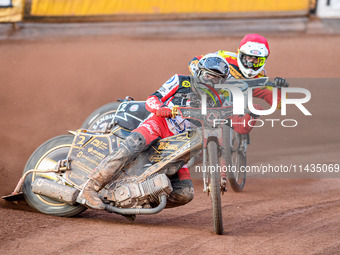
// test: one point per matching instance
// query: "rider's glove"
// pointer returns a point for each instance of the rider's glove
(164, 112)
(257, 107)
(280, 82)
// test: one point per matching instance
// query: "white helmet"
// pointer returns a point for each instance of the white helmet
(252, 54)
(213, 69)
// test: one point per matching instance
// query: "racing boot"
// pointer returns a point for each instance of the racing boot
(110, 168)
(183, 189)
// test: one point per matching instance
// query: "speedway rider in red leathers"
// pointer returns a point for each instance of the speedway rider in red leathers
(210, 69)
(247, 63)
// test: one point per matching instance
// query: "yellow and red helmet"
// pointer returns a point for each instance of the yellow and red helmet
(252, 54)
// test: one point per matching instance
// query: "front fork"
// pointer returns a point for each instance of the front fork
(238, 145)
(206, 187)
(206, 175)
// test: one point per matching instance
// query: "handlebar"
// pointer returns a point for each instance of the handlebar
(270, 84)
(127, 98)
(249, 83)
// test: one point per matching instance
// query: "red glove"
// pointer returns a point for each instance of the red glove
(164, 112)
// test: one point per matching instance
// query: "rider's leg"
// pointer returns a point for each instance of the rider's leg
(183, 189)
(111, 166)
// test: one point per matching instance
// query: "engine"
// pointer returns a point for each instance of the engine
(129, 194)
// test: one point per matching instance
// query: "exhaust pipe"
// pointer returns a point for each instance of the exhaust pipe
(55, 191)
(132, 211)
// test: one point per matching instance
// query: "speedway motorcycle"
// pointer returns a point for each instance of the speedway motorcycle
(234, 144)
(57, 171)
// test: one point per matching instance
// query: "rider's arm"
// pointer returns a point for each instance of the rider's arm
(153, 103)
(157, 99)
(266, 93)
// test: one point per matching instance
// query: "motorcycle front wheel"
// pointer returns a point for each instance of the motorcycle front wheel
(46, 157)
(215, 187)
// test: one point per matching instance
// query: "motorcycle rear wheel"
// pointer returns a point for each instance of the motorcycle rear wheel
(46, 157)
(215, 187)
(101, 116)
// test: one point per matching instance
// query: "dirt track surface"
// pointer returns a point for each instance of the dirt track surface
(49, 87)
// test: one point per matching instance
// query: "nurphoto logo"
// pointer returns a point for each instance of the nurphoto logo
(240, 104)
